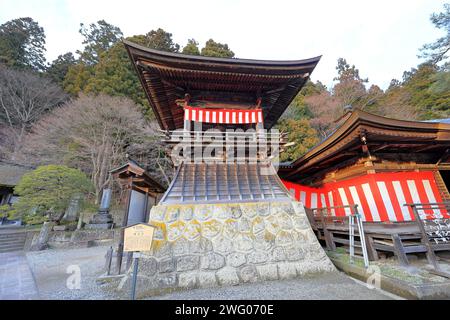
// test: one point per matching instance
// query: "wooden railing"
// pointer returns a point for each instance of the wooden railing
(434, 228)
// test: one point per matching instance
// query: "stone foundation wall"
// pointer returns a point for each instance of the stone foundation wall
(199, 246)
(75, 239)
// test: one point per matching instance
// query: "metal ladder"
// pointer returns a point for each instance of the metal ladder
(355, 215)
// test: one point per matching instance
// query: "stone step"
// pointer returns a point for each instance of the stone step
(5, 238)
(14, 246)
(11, 247)
(3, 241)
(8, 245)
(15, 234)
(10, 250)
(14, 241)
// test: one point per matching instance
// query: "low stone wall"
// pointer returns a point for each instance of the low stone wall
(75, 239)
(200, 246)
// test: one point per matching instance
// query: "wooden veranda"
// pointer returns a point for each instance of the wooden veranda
(422, 235)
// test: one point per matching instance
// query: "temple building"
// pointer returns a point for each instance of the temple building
(378, 163)
(10, 175)
(191, 95)
(226, 218)
(393, 174)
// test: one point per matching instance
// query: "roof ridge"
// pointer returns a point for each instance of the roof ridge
(3, 161)
(217, 59)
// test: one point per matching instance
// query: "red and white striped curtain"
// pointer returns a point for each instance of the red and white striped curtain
(380, 197)
(223, 116)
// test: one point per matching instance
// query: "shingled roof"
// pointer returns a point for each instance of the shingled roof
(11, 173)
(167, 77)
(382, 134)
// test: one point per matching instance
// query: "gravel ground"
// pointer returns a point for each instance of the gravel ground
(331, 286)
(50, 269)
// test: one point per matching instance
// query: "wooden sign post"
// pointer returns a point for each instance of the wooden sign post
(137, 238)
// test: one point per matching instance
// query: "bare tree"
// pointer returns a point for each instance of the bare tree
(92, 133)
(349, 91)
(8, 137)
(325, 109)
(24, 97)
(153, 155)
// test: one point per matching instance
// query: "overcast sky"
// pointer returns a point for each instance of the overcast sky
(380, 37)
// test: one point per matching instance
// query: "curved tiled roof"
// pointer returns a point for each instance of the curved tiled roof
(385, 133)
(11, 173)
(167, 77)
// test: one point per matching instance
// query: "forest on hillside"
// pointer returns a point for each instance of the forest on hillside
(87, 110)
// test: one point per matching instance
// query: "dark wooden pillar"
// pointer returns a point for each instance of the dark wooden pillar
(129, 187)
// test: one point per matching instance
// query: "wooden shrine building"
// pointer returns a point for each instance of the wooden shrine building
(142, 191)
(376, 162)
(238, 99)
(226, 215)
(395, 174)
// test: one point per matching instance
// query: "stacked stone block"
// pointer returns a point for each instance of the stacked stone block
(208, 245)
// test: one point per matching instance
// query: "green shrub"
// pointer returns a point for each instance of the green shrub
(45, 193)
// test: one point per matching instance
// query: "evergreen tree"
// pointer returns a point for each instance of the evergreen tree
(114, 74)
(347, 72)
(77, 77)
(98, 38)
(430, 104)
(441, 83)
(47, 191)
(22, 44)
(191, 48)
(58, 69)
(438, 50)
(300, 132)
(160, 40)
(216, 49)
(350, 89)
